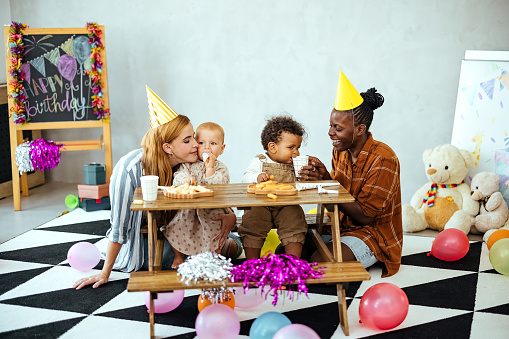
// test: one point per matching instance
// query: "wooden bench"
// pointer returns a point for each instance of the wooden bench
(167, 281)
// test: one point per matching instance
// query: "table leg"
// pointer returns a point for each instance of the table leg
(336, 242)
(320, 209)
(153, 295)
(150, 241)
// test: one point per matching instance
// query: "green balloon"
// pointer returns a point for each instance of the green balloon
(499, 256)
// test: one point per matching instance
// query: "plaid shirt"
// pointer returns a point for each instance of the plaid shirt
(373, 180)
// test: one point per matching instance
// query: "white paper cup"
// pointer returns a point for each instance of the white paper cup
(298, 162)
(149, 185)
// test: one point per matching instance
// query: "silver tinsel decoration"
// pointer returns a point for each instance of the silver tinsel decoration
(216, 295)
(23, 160)
(205, 266)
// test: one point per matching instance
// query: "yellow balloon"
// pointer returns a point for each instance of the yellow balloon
(271, 243)
(314, 211)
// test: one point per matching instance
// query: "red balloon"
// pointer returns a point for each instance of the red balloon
(383, 306)
(450, 245)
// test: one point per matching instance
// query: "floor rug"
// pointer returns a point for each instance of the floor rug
(460, 299)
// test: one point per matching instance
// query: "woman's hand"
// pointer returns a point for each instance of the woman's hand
(315, 170)
(97, 280)
(227, 224)
(101, 278)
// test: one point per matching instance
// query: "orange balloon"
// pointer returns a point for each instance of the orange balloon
(204, 302)
(497, 235)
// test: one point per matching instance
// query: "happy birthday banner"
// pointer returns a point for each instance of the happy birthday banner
(56, 82)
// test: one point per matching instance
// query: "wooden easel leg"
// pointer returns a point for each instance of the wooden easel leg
(108, 157)
(153, 295)
(343, 318)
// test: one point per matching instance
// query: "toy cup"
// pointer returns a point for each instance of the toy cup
(298, 162)
(149, 185)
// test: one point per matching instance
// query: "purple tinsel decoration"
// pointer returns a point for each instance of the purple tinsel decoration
(280, 271)
(44, 154)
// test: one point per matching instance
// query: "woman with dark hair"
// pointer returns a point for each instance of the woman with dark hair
(371, 227)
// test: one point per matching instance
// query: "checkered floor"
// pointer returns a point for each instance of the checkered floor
(462, 299)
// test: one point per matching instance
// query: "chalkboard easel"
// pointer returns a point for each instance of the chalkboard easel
(59, 93)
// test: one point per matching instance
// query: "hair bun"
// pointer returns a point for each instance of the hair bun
(372, 98)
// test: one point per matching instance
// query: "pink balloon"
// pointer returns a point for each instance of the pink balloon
(383, 306)
(166, 301)
(251, 299)
(450, 245)
(296, 331)
(217, 321)
(67, 66)
(83, 256)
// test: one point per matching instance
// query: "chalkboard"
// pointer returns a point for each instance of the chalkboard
(56, 82)
(59, 93)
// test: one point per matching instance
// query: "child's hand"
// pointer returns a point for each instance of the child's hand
(209, 163)
(189, 181)
(262, 177)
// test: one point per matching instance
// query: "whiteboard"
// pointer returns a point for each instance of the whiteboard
(481, 121)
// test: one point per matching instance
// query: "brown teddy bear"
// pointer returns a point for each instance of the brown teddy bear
(493, 211)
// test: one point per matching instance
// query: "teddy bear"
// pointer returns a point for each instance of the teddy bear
(444, 201)
(493, 210)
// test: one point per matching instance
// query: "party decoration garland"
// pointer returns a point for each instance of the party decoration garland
(17, 90)
(38, 154)
(94, 38)
(279, 271)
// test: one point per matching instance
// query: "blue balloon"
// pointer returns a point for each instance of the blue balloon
(266, 325)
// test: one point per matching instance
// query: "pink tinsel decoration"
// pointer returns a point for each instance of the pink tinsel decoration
(44, 154)
(279, 271)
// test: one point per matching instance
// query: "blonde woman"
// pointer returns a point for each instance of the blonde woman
(164, 148)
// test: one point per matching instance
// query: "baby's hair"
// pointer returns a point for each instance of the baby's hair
(277, 125)
(363, 115)
(211, 126)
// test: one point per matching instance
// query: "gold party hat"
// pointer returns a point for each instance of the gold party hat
(347, 97)
(160, 113)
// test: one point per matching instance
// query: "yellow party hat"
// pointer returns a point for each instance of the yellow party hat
(160, 113)
(347, 97)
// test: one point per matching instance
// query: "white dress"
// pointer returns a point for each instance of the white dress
(192, 231)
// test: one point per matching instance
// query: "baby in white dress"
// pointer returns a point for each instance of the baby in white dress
(195, 231)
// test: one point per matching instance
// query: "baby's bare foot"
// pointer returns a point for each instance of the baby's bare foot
(176, 262)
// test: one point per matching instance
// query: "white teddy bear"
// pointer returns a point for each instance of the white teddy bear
(444, 201)
(493, 212)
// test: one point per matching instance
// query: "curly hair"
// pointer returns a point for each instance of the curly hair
(277, 125)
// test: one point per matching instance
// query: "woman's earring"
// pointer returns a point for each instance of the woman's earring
(170, 155)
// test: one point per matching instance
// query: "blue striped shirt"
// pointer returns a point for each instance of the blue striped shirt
(126, 224)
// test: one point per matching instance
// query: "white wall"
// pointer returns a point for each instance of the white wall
(236, 62)
(5, 19)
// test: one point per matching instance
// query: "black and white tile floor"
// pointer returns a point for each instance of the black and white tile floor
(462, 299)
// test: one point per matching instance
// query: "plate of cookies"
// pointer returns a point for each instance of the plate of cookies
(187, 191)
(272, 187)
